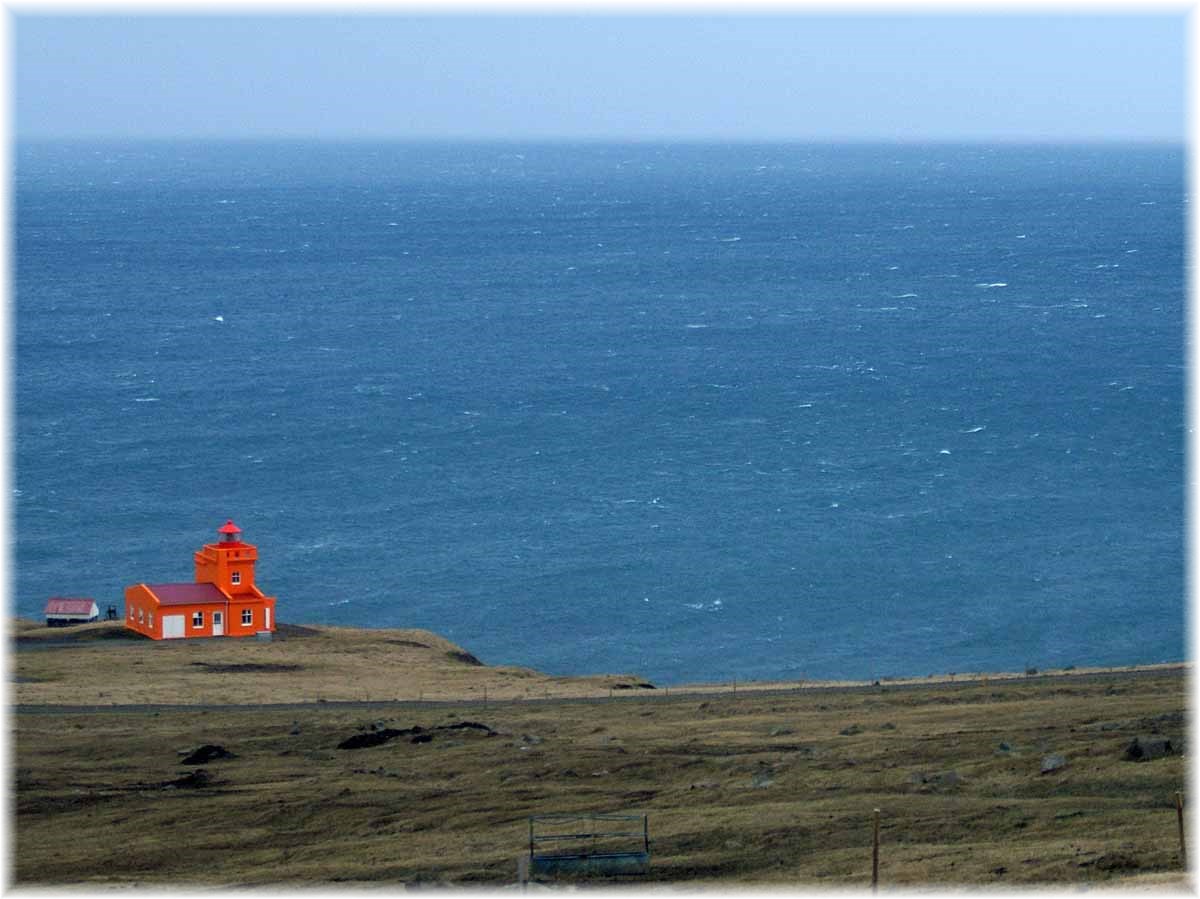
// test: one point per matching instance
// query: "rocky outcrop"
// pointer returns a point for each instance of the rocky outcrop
(1143, 749)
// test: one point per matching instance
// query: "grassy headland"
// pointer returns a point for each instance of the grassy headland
(771, 784)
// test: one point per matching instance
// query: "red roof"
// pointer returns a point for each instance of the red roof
(229, 528)
(61, 605)
(186, 594)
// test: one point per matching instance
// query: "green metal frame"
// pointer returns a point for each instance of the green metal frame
(596, 845)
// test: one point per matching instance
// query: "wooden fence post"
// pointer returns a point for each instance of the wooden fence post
(875, 855)
(1182, 841)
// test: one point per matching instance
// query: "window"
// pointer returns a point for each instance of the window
(141, 616)
(150, 617)
(235, 578)
(197, 619)
(247, 617)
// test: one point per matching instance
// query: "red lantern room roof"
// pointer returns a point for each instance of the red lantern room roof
(229, 528)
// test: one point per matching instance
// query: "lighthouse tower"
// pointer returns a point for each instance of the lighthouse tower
(228, 563)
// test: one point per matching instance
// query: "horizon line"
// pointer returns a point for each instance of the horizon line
(1013, 140)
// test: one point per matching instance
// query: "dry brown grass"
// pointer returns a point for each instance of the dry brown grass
(300, 665)
(757, 788)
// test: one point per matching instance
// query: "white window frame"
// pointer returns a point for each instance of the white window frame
(197, 619)
(235, 577)
(247, 617)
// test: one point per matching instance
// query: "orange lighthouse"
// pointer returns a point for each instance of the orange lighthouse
(223, 601)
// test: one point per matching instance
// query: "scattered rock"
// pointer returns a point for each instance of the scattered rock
(531, 739)
(851, 730)
(947, 779)
(887, 725)
(1143, 749)
(639, 795)
(377, 737)
(207, 753)
(468, 725)
(1173, 720)
(1102, 726)
(193, 779)
(247, 667)
(1000, 870)
(1051, 763)
(1003, 747)
(465, 658)
(939, 780)
(283, 630)
(1116, 861)
(762, 779)
(380, 735)
(781, 731)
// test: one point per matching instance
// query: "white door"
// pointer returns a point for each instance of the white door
(268, 610)
(218, 625)
(172, 626)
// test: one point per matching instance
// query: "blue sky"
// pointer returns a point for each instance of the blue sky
(791, 75)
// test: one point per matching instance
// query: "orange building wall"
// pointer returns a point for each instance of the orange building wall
(217, 562)
(144, 614)
(257, 607)
(138, 598)
(206, 609)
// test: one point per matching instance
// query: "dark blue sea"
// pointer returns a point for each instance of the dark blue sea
(698, 412)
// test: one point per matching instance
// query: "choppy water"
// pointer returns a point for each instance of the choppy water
(698, 412)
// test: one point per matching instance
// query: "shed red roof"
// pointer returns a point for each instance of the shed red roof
(186, 594)
(62, 605)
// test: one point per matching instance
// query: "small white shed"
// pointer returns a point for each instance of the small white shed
(62, 611)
